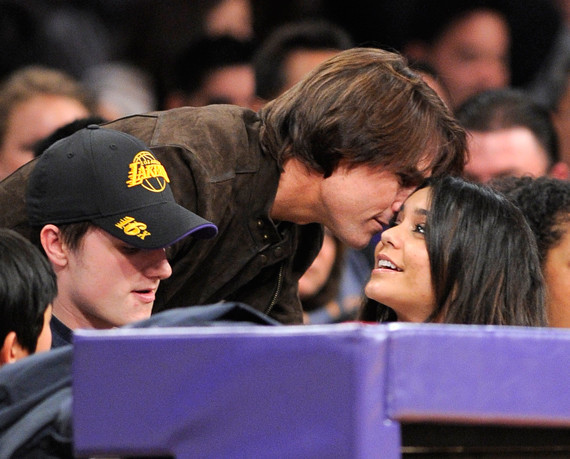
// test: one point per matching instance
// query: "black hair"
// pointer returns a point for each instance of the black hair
(483, 258)
(270, 58)
(544, 201)
(27, 287)
(202, 56)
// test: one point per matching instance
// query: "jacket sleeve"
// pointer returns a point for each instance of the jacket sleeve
(13, 201)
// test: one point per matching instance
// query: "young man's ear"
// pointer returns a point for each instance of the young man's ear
(11, 349)
(50, 238)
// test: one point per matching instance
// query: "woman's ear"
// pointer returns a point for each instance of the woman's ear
(11, 349)
(55, 249)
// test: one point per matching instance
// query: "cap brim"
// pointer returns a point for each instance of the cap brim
(157, 226)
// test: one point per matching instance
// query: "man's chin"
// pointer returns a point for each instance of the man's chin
(357, 244)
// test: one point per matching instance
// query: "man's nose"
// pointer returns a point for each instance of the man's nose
(401, 196)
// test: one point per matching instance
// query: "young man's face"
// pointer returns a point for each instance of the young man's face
(357, 202)
(108, 283)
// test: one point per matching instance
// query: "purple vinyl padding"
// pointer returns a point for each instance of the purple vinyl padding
(307, 391)
(231, 392)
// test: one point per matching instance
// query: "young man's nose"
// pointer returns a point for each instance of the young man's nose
(158, 266)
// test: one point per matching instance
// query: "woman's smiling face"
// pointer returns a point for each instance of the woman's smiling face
(401, 278)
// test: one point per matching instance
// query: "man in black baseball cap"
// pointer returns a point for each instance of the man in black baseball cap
(105, 213)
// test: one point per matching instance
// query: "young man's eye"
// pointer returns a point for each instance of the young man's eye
(130, 250)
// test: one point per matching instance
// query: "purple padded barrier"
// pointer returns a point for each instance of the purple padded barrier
(507, 375)
(315, 391)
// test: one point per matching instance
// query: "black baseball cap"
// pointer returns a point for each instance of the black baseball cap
(111, 179)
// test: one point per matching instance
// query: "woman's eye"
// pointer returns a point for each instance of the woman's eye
(420, 228)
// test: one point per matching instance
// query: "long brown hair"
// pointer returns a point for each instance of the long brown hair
(364, 106)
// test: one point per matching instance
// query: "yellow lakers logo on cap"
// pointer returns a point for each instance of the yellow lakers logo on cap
(133, 228)
(147, 171)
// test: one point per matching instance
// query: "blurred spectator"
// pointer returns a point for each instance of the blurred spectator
(430, 76)
(66, 130)
(120, 89)
(509, 135)
(561, 119)
(229, 17)
(66, 35)
(319, 285)
(212, 70)
(552, 86)
(466, 42)
(160, 34)
(35, 101)
(291, 51)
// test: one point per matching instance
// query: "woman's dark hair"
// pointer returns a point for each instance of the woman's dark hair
(483, 258)
(27, 286)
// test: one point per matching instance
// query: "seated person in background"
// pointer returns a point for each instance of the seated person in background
(545, 202)
(430, 76)
(460, 253)
(34, 102)
(66, 130)
(27, 289)
(319, 286)
(466, 42)
(211, 70)
(104, 212)
(291, 51)
(509, 134)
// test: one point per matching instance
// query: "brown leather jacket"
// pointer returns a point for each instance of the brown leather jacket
(217, 170)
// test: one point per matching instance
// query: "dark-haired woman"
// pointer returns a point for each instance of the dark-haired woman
(457, 252)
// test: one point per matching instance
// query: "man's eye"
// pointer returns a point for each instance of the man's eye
(410, 179)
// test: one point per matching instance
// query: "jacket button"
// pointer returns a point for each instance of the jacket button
(278, 251)
(263, 259)
(266, 237)
(260, 223)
